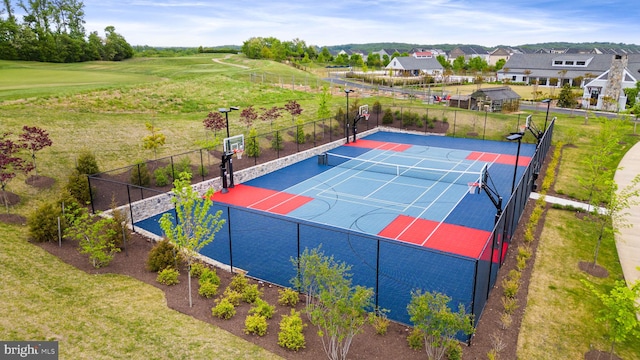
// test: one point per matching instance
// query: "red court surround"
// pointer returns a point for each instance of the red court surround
(451, 238)
(499, 158)
(380, 145)
(262, 199)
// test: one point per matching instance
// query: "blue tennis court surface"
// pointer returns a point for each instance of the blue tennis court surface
(399, 227)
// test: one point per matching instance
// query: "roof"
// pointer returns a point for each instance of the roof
(496, 93)
(541, 65)
(412, 63)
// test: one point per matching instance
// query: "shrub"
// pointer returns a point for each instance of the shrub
(515, 275)
(262, 308)
(510, 287)
(43, 223)
(524, 252)
(203, 170)
(239, 282)
(251, 146)
(161, 177)
(290, 335)
(387, 118)
(251, 293)
(255, 324)
(454, 350)
(300, 136)
(223, 309)
(168, 276)
(232, 296)
(380, 322)
(197, 269)
(164, 255)
(288, 297)
(184, 165)
(510, 305)
(78, 187)
(208, 289)
(208, 276)
(140, 174)
(277, 143)
(416, 340)
(528, 235)
(87, 164)
(117, 226)
(521, 263)
(505, 321)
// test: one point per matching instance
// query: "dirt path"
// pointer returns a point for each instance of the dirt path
(219, 61)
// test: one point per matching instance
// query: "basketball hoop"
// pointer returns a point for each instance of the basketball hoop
(238, 153)
(474, 187)
(522, 128)
(365, 116)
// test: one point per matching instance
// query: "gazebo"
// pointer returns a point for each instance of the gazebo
(497, 99)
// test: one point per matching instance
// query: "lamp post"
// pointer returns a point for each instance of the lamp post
(548, 102)
(346, 123)
(227, 155)
(515, 136)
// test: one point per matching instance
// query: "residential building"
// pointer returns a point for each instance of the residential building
(412, 66)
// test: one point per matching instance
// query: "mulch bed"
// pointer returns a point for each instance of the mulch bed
(368, 345)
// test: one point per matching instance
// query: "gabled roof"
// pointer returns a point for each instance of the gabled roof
(412, 63)
(496, 93)
(472, 50)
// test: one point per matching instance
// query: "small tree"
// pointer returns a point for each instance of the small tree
(10, 163)
(336, 307)
(567, 98)
(613, 216)
(214, 122)
(619, 312)
(323, 107)
(270, 115)
(430, 313)
(248, 116)
(252, 145)
(95, 238)
(300, 135)
(196, 227)
(155, 140)
(35, 139)
(293, 108)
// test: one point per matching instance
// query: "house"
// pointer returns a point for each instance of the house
(607, 90)
(550, 69)
(499, 54)
(411, 66)
(602, 76)
(496, 99)
(469, 52)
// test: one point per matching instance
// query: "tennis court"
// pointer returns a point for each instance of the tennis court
(397, 207)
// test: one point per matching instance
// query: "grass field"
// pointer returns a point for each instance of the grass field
(103, 107)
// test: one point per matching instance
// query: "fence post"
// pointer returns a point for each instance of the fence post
(201, 165)
(93, 209)
(173, 173)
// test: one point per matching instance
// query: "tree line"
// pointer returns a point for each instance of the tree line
(53, 31)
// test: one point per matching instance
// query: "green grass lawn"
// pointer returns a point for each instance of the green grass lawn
(97, 316)
(103, 107)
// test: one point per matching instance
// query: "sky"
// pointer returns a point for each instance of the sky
(193, 23)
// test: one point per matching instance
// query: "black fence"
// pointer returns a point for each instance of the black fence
(139, 181)
(263, 244)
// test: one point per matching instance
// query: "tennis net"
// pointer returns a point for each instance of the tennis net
(433, 174)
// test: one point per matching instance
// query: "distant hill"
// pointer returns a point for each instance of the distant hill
(448, 47)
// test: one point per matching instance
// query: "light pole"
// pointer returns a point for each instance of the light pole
(548, 102)
(346, 123)
(227, 155)
(515, 136)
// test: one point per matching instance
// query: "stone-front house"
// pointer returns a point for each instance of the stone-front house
(589, 71)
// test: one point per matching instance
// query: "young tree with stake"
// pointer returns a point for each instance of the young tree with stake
(195, 226)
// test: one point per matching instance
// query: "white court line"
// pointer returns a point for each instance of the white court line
(450, 211)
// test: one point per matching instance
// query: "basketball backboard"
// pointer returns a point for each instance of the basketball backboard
(234, 143)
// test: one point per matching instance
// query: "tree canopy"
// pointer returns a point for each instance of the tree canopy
(53, 31)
